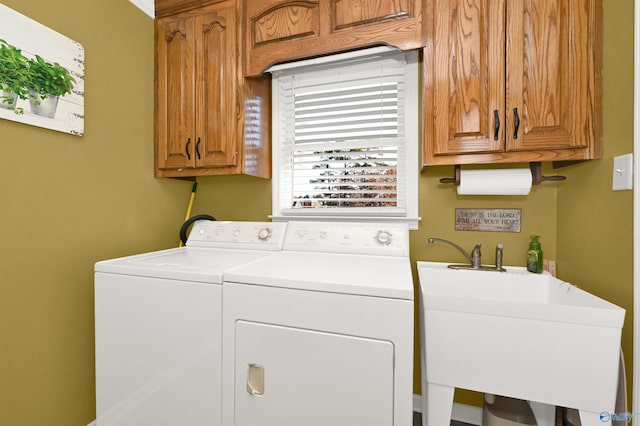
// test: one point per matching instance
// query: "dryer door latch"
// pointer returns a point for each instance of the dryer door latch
(255, 379)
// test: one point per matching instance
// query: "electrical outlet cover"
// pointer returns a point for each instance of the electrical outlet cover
(623, 172)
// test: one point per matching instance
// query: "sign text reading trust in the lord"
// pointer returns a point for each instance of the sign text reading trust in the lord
(495, 220)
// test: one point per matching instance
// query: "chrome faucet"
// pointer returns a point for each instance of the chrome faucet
(475, 258)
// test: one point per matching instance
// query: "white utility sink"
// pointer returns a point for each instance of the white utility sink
(517, 334)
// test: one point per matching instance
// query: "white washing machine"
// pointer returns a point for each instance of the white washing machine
(322, 332)
(158, 320)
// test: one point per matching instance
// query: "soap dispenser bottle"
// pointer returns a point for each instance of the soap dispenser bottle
(534, 255)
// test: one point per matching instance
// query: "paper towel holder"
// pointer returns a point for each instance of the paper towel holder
(536, 175)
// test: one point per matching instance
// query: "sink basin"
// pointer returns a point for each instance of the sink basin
(518, 334)
(516, 293)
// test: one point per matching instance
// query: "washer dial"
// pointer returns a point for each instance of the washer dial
(383, 237)
(264, 234)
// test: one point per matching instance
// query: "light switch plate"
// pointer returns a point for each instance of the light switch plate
(623, 172)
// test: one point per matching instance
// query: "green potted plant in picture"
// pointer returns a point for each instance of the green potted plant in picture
(47, 82)
(14, 76)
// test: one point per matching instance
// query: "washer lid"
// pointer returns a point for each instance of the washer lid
(186, 263)
(380, 276)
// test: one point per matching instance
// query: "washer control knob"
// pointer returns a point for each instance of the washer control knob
(264, 234)
(383, 237)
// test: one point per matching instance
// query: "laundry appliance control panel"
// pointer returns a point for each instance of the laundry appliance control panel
(240, 235)
(384, 239)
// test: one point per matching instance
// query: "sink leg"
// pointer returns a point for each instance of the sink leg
(590, 418)
(437, 403)
(545, 413)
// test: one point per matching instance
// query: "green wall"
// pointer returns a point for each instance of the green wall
(69, 201)
(595, 224)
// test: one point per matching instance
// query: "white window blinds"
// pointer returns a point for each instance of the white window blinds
(341, 136)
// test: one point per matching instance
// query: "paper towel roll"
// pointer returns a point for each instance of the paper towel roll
(495, 182)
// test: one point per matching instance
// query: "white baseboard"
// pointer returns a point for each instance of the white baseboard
(93, 423)
(461, 412)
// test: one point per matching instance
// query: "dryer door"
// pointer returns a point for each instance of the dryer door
(290, 376)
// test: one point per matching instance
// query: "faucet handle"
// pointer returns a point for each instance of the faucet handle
(476, 256)
(499, 249)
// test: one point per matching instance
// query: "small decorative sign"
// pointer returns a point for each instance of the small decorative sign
(492, 220)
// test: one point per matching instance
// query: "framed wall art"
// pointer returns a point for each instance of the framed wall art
(41, 75)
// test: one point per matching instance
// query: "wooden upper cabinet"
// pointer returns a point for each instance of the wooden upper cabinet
(175, 92)
(216, 65)
(172, 7)
(512, 81)
(466, 76)
(283, 30)
(201, 97)
(550, 78)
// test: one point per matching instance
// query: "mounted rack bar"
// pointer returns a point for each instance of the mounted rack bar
(456, 176)
(536, 175)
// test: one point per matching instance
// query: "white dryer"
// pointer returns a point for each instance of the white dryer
(322, 332)
(158, 320)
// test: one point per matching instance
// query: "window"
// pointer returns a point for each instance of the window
(345, 137)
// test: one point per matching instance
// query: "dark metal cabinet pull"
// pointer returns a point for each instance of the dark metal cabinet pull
(198, 149)
(186, 149)
(496, 116)
(516, 118)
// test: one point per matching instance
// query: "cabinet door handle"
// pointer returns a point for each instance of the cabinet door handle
(186, 149)
(516, 120)
(496, 116)
(255, 379)
(198, 148)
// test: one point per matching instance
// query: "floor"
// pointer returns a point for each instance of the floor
(417, 421)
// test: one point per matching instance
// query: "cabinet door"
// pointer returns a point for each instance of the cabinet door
(292, 376)
(358, 13)
(216, 94)
(464, 78)
(175, 88)
(285, 30)
(548, 72)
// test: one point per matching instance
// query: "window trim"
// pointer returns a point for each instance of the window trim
(410, 216)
